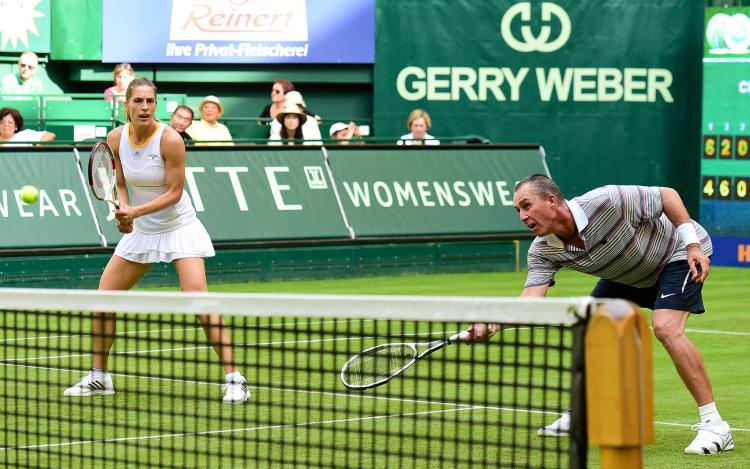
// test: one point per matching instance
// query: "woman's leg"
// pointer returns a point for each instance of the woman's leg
(192, 273)
(119, 274)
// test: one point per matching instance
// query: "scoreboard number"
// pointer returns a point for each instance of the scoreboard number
(709, 146)
(709, 187)
(741, 189)
(725, 187)
(725, 147)
(742, 147)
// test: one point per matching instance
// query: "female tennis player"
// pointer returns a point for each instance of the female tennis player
(160, 225)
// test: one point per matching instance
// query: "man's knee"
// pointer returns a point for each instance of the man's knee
(668, 328)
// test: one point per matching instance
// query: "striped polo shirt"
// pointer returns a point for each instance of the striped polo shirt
(627, 238)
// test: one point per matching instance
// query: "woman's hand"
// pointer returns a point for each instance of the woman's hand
(124, 214)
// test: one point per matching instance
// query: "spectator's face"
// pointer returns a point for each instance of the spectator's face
(7, 127)
(341, 135)
(180, 120)
(210, 112)
(27, 66)
(291, 121)
(123, 79)
(277, 93)
(418, 127)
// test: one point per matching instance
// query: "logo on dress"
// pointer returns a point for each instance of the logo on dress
(153, 157)
(137, 155)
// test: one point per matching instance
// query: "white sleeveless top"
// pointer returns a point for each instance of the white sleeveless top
(145, 172)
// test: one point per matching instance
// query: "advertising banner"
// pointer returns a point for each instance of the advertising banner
(239, 31)
(62, 215)
(437, 191)
(612, 90)
(25, 25)
(264, 195)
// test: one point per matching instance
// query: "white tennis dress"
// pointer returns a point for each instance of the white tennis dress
(174, 232)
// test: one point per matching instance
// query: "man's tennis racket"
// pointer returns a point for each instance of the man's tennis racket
(380, 364)
(102, 173)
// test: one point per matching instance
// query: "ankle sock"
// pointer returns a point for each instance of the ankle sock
(709, 413)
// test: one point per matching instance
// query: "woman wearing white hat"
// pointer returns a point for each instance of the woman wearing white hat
(208, 130)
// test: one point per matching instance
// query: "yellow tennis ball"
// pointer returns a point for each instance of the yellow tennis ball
(29, 194)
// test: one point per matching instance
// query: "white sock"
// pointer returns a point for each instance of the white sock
(98, 373)
(709, 413)
(235, 377)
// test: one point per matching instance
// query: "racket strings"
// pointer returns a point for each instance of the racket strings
(102, 174)
(379, 364)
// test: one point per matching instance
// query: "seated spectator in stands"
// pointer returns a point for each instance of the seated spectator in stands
(23, 82)
(123, 75)
(11, 129)
(278, 91)
(419, 123)
(343, 134)
(208, 130)
(310, 128)
(292, 121)
(180, 120)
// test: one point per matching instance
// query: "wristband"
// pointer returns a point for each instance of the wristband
(687, 235)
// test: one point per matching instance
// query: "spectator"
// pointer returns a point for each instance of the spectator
(11, 129)
(419, 123)
(343, 134)
(292, 121)
(278, 91)
(123, 75)
(310, 127)
(208, 130)
(180, 120)
(23, 82)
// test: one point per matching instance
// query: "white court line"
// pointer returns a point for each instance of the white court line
(709, 331)
(86, 334)
(202, 347)
(245, 429)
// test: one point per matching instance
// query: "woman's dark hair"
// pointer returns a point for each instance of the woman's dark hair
(17, 118)
(298, 135)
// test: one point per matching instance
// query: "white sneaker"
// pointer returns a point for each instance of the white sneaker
(711, 438)
(235, 392)
(560, 427)
(90, 386)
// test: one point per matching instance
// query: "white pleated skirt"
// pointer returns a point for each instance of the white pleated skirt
(189, 240)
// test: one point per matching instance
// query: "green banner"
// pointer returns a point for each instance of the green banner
(264, 194)
(610, 89)
(25, 25)
(434, 191)
(61, 216)
(76, 30)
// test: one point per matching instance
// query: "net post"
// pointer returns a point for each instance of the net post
(619, 384)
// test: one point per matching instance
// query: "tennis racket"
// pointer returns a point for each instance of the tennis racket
(102, 176)
(379, 364)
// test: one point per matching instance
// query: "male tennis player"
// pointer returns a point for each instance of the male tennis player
(645, 248)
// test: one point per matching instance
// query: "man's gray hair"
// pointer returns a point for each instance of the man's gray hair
(542, 186)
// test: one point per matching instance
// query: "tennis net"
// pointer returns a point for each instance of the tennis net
(464, 406)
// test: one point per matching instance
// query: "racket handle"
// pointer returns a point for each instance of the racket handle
(458, 336)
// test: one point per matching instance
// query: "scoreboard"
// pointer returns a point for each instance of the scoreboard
(725, 162)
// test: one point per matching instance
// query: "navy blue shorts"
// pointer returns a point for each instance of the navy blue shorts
(674, 290)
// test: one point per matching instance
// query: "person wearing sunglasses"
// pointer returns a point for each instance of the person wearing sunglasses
(24, 81)
(279, 89)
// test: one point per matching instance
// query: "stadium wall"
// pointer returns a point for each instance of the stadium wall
(285, 212)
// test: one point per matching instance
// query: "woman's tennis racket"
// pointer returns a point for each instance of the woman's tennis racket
(380, 364)
(102, 176)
